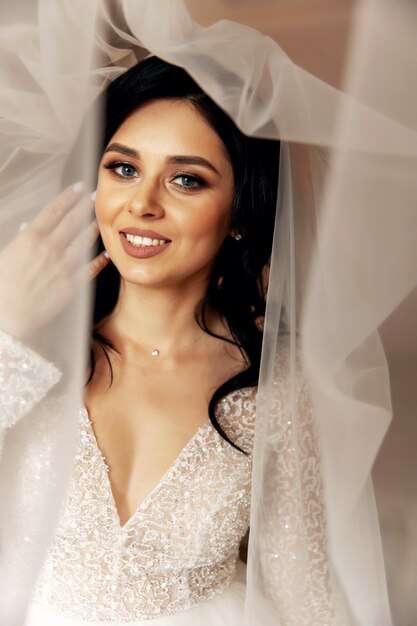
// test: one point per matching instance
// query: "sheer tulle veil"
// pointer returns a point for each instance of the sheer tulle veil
(334, 81)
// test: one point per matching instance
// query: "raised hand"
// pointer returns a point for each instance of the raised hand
(40, 268)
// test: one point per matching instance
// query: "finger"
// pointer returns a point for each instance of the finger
(98, 264)
(76, 252)
(72, 224)
(87, 238)
(70, 276)
(71, 260)
(55, 210)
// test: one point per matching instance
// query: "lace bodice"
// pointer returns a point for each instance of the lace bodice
(180, 546)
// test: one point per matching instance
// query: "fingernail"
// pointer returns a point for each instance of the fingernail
(106, 254)
(93, 195)
(78, 187)
(22, 226)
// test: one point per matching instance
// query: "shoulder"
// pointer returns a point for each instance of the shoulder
(288, 377)
(236, 415)
(285, 401)
(282, 389)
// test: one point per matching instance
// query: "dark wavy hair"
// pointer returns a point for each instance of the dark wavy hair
(236, 289)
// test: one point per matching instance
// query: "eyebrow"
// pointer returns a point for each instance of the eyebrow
(177, 159)
(192, 160)
(119, 147)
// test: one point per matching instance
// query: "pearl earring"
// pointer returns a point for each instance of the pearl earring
(237, 237)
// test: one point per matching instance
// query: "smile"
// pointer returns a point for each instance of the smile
(144, 242)
(143, 247)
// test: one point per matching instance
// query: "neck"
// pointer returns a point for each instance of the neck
(154, 319)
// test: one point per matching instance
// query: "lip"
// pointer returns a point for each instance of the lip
(144, 233)
(145, 252)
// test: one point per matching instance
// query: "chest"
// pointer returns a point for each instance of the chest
(142, 422)
(179, 546)
(143, 399)
(206, 481)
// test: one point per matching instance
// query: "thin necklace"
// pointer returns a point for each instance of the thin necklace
(155, 352)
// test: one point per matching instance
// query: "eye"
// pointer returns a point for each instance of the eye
(123, 170)
(188, 181)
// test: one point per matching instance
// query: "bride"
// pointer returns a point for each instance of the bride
(160, 482)
(159, 496)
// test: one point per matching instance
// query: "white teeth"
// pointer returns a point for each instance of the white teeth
(144, 242)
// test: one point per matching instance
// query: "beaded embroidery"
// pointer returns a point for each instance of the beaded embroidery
(181, 545)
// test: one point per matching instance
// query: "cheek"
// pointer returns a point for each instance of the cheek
(208, 224)
(107, 201)
(105, 207)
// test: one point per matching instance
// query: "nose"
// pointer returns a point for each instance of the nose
(146, 200)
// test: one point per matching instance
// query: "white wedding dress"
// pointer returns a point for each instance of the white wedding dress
(176, 559)
(343, 260)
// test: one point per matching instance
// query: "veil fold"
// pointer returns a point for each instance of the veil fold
(334, 82)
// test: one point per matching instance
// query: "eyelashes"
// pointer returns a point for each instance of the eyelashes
(115, 165)
(127, 171)
(194, 182)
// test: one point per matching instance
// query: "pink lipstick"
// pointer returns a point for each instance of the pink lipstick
(143, 244)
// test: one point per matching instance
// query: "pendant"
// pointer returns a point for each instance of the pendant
(155, 352)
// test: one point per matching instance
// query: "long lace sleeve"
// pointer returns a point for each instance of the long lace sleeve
(25, 378)
(290, 549)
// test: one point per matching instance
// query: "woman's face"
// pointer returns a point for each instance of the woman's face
(164, 194)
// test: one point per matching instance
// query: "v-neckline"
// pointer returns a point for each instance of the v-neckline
(142, 505)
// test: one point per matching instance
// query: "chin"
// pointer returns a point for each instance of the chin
(146, 279)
